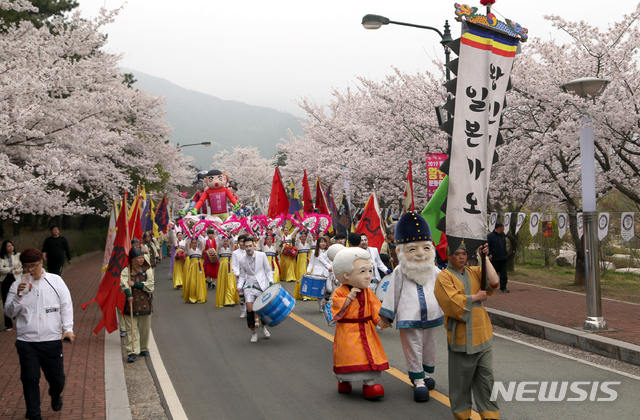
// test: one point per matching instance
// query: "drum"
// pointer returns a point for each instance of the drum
(382, 287)
(313, 286)
(274, 305)
(326, 310)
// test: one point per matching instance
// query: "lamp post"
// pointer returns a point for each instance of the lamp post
(204, 143)
(585, 87)
(376, 22)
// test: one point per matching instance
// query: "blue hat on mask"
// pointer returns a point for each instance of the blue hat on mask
(412, 228)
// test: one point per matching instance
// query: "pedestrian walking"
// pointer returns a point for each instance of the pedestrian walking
(498, 254)
(10, 270)
(42, 307)
(54, 249)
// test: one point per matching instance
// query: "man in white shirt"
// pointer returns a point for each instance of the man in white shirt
(43, 312)
(255, 277)
(236, 256)
(377, 262)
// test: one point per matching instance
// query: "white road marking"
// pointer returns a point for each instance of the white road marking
(169, 392)
(515, 340)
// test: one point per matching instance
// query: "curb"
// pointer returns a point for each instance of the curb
(590, 342)
(115, 385)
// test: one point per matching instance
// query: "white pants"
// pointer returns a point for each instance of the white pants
(250, 296)
(420, 350)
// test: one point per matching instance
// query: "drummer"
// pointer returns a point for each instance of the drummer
(255, 276)
(319, 264)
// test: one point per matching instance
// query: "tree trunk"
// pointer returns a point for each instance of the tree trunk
(580, 278)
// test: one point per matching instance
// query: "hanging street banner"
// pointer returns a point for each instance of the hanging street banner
(486, 52)
(507, 222)
(547, 225)
(603, 225)
(626, 226)
(520, 221)
(434, 174)
(580, 225)
(493, 219)
(562, 224)
(534, 223)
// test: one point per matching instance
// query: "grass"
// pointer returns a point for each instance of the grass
(620, 286)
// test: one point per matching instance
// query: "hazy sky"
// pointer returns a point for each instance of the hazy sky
(271, 53)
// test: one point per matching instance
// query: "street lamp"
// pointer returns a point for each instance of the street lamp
(376, 22)
(204, 143)
(585, 87)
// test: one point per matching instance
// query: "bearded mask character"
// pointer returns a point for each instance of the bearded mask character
(410, 301)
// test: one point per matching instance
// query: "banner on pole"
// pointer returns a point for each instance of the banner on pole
(603, 225)
(562, 224)
(520, 221)
(434, 174)
(493, 219)
(507, 222)
(580, 225)
(627, 226)
(534, 223)
(547, 225)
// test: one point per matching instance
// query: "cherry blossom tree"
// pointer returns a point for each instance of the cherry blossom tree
(72, 134)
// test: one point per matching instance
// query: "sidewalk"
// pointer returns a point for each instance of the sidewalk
(84, 394)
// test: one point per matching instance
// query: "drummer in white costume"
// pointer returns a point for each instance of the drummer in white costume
(255, 277)
(236, 256)
(377, 262)
(319, 265)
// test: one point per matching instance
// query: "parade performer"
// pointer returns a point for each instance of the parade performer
(237, 255)
(287, 263)
(200, 183)
(179, 257)
(255, 277)
(270, 248)
(358, 354)
(211, 262)
(378, 265)
(226, 287)
(216, 195)
(194, 289)
(319, 265)
(469, 333)
(409, 300)
(151, 250)
(303, 243)
(137, 282)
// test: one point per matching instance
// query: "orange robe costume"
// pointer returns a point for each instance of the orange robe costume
(356, 345)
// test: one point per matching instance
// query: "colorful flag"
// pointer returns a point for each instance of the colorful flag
(370, 223)
(434, 174)
(432, 213)
(321, 198)
(278, 202)
(408, 192)
(307, 201)
(331, 204)
(147, 221)
(162, 215)
(111, 236)
(110, 296)
(345, 223)
(135, 228)
(294, 199)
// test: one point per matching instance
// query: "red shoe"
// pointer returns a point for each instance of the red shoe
(344, 387)
(372, 392)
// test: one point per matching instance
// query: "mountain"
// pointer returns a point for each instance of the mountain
(197, 117)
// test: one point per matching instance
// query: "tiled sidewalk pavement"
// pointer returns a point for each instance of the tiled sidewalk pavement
(84, 394)
(567, 309)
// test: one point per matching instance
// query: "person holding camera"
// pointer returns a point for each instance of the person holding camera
(42, 307)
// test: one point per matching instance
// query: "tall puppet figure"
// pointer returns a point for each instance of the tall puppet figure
(409, 300)
(357, 351)
(216, 194)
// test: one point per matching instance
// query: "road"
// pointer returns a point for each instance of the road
(217, 373)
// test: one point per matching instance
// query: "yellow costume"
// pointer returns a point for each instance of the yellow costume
(226, 293)
(178, 271)
(194, 288)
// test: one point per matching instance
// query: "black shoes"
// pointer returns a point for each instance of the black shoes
(504, 290)
(56, 403)
(132, 358)
(144, 353)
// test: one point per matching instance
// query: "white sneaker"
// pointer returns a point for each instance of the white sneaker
(243, 315)
(254, 337)
(265, 332)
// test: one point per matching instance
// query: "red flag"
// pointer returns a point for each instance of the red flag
(135, 225)
(408, 192)
(370, 223)
(321, 198)
(110, 296)
(279, 202)
(306, 195)
(162, 215)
